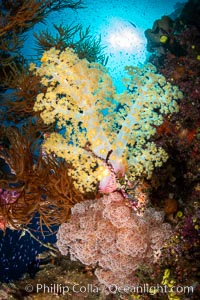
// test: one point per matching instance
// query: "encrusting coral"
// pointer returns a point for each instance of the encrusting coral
(100, 126)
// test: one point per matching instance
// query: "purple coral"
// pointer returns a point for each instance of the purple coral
(106, 233)
(8, 197)
(190, 231)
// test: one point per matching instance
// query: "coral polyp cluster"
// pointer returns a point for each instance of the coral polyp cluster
(106, 234)
(81, 98)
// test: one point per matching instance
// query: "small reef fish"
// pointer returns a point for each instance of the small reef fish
(132, 24)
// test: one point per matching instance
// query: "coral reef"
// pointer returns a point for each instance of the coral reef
(75, 37)
(190, 13)
(16, 18)
(178, 134)
(35, 186)
(162, 39)
(158, 36)
(17, 106)
(105, 233)
(175, 186)
(69, 137)
(82, 99)
(76, 281)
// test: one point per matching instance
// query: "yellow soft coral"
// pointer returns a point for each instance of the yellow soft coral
(170, 283)
(81, 98)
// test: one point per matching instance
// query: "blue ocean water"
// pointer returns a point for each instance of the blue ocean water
(121, 25)
(18, 252)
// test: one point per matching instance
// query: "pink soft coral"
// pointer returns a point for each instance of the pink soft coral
(107, 233)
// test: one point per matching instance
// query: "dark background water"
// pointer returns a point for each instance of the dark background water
(18, 253)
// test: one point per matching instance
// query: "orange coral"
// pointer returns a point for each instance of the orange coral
(164, 128)
(22, 15)
(44, 185)
(17, 17)
(170, 206)
(26, 86)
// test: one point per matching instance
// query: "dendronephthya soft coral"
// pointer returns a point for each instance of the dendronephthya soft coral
(105, 133)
